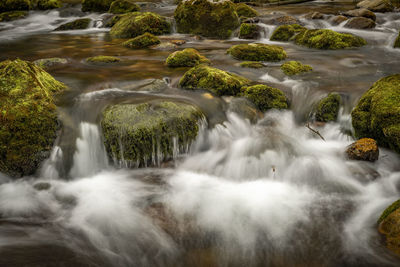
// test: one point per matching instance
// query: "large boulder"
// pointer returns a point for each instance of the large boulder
(361, 12)
(123, 6)
(244, 11)
(134, 24)
(215, 80)
(78, 24)
(147, 134)
(257, 52)
(295, 67)
(216, 19)
(328, 39)
(360, 23)
(142, 41)
(27, 116)
(397, 42)
(249, 31)
(188, 57)
(285, 33)
(96, 5)
(13, 5)
(389, 227)
(265, 97)
(376, 5)
(377, 114)
(364, 149)
(328, 108)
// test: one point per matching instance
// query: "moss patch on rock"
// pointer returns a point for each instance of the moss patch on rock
(215, 80)
(79, 24)
(377, 114)
(265, 97)
(252, 64)
(96, 5)
(257, 52)
(295, 67)
(364, 149)
(244, 11)
(134, 24)
(285, 33)
(328, 39)
(390, 227)
(48, 4)
(393, 207)
(12, 15)
(216, 19)
(188, 57)
(123, 6)
(47, 63)
(135, 133)
(328, 108)
(14, 5)
(102, 59)
(28, 116)
(249, 31)
(397, 42)
(142, 41)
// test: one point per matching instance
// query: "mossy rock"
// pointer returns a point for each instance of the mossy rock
(217, 19)
(14, 5)
(134, 133)
(257, 52)
(79, 24)
(393, 207)
(188, 57)
(328, 108)
(142, 41)
(96, 5)
(48, 4)
(134, 24)
(27, 116)
(295, 67)
(252, 64)
(102, 60)
(377, 114)
(249, 31)
(389, 226)
(244, 11)
(363, 149)
(123, 6)
(265, 97)
(12, 15)
(285, 33)
(215, 80)
(328, 39)
(48, 63)
(397, 42)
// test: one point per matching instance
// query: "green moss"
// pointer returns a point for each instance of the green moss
(96, 5)
(188, 57)
(123, 6)
(136, 23)
(48, 4)
(252, 64)
(393, 207)
(134, 133)
(216, 19)
(13, 5)
(328, 39)
(257, 52)
(28, 116)
(142, 41)
(113, 20)
(397, 42)
(215, 80)
(102, 59)
(377, 114)
(286, 32)
(328, 108)
(12, 15)
(244, 11)
(79, 24)
(248, 31)
(294, 67)
(265, 97)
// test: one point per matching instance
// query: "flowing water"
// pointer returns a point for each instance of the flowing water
(266, 194)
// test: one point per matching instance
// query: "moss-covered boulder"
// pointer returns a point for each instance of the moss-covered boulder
(265, 97)
(285, 33)
(364, 149)
(188, 57)
(216, 19)
(244, 11)
(12, 15)
(28, 116)
(48, 4)
(144, 134)
(142, 41)
(249, 31)
(102, 60)
(397, 42)
(294, 67)
(252, 64)
(377, 114)
(14, 5)
(257, 52)
(134, 24)
(215, 80)
(96, 5)
(328, 39)
(123, 6)
(389, 227)
(79, 24)
(328, 108)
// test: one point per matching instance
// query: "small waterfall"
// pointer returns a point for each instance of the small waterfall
(90, 156)
(51, 167)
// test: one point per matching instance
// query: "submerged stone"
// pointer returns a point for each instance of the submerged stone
(244, 11)
(142, 41)
(249, 31)
(265, 97)
(215, 80)
(328, 108)
(207, 18)
(286, 32)
(102, 59)
(27, 116)
(47, 63)
(377, 114)
(364, 149)
(96, 5)
(257, 52)
(12, 15)
(79, 24)
(143, 134)
(294, 67)
(389, 226)
(123, 6)
(14, 5)
(252, 64)
(188, 57)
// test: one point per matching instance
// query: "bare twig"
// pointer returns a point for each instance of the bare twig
(314, 131)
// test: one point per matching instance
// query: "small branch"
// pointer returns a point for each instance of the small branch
(314, 131)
